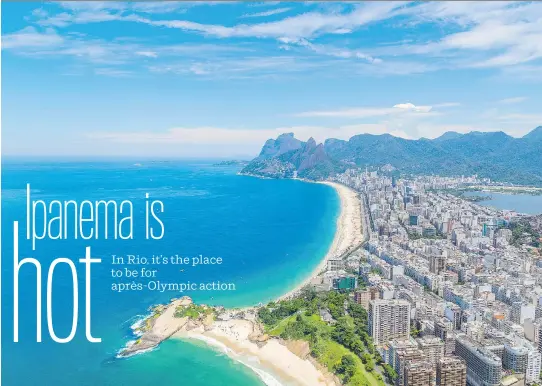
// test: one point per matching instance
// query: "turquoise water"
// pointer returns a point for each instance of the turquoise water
(270, 233)
(521, 203)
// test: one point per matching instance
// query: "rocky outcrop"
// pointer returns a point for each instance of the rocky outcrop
(283, 144)
(287, 157)
(157, 327)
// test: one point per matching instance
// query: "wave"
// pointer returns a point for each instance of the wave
(130, 343)
(266, 377)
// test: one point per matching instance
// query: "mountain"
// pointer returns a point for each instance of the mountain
(285, 156)
(283, 144)
(448, 135)
(495, 155)
(535, 135)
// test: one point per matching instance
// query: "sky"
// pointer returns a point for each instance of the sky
(216, 79)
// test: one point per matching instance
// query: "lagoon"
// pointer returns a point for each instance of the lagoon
(521, 203)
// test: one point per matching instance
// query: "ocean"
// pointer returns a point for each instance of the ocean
(521, 203)
(271, 234)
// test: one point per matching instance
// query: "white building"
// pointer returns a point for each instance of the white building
(389, 319)
(534, 364)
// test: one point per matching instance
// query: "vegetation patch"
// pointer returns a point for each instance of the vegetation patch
(193, 311)
(343, 346)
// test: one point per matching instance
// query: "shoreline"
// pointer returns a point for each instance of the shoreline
(270, 359)
(348, 233)
(238, 334)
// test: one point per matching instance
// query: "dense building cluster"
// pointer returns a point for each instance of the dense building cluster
(450, 301)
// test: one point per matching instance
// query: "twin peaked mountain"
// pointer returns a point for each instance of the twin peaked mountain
(493, 154)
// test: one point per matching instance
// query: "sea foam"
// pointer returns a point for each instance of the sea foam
(266, 377)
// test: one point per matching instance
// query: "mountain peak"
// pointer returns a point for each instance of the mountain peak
(283, 144)
(534, 134)
(448, 135)
(285, 136)
(311, 143)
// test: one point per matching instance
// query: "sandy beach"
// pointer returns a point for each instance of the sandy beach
(348, 235)
(237, 332)
(275, 361)
(272, 360)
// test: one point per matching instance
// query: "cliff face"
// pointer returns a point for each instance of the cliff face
(495, 155)
(286, 157)
(283, 144)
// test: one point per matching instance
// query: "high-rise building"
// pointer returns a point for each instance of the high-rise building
(443, 331)
(534, 365)
(451, 371)
(363, 297)
(453, 314)
(519, 312)
(515, 358)
(397, 345)
(419, 373)
(437, 264)
(389, 319)
(345, 282)
(402, 357)
(484, 368)
(515, 312)
(413, 219)
(335, 264)
(432, 347)
(521, 357)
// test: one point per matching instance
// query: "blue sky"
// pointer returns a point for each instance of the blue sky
(195, 79)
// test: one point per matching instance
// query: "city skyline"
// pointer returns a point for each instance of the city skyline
(194, 79)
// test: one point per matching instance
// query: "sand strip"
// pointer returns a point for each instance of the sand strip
(348, 235)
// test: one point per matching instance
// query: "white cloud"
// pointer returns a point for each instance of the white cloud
(327, 50)
(250, 139)
(79, 6)
(514, 100)
(271, 12)
(29, 37)
(148, 54)
(366, 112)
(411, 107)
(238, 68)
(305, 25)
(160, 6)
(494, 34)
(488, 34)
(113, 72)
(47, 43)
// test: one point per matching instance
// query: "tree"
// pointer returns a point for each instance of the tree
(343, 333)
(414, 332)
(347, 367)
(389, 372)
(308, 293)
(357, 347)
